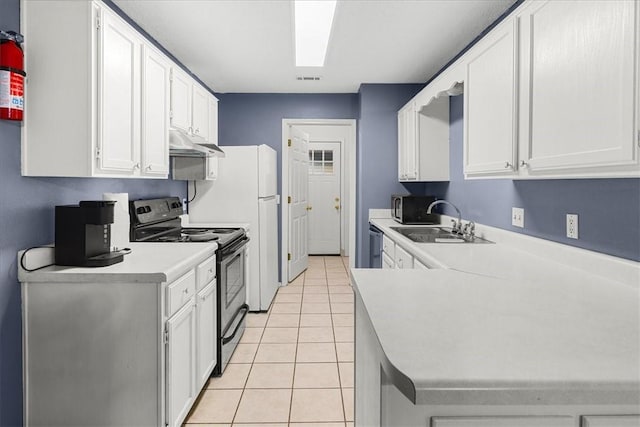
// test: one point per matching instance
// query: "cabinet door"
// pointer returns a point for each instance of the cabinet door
(407, 146)
(611, 421)
(579, 60)
(213, 120)
(180, 364)
(118, 96)
(403, 258)
(387, 262)
(523, 421)
(490, 103)
(206, 334)
(180, 100)
(200, 113)
(419, 265)
(212, 168)
(155, 113)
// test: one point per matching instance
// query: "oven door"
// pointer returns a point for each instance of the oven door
(232, 298)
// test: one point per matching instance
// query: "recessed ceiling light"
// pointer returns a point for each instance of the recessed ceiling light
(313, 20)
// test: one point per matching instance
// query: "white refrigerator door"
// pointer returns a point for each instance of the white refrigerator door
(268, 250)
(267, 171)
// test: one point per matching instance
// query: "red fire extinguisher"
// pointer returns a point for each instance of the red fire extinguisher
(11, 76)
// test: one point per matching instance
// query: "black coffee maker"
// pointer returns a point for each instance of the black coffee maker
(83, 234)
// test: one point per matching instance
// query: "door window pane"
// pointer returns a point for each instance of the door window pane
(321, 162)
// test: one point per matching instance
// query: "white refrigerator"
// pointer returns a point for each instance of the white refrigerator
(245, 191)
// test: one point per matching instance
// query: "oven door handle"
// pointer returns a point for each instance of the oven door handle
(236, 246)
(245, 308)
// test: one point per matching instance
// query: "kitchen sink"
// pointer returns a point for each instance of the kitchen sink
(436, 235)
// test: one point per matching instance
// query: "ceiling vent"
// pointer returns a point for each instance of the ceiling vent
(308, 78)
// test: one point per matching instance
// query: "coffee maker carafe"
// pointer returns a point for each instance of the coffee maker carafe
(83, 234)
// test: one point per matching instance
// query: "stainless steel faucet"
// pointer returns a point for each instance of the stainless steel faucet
(457, 226)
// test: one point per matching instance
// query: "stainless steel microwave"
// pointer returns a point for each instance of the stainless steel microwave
(407, 209)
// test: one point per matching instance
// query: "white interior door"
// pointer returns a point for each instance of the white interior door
(324, 198)
(298, 202)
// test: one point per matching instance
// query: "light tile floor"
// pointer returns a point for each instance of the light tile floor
(294, 364)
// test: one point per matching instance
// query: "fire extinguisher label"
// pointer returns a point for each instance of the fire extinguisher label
(11, 90)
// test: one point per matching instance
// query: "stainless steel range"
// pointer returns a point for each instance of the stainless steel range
(158, 220)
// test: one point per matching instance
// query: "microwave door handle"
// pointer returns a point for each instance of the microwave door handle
(245, 308)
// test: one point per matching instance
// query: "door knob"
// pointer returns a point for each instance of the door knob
(337, 199)
(337, 207)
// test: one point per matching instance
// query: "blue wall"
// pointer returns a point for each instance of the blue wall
(377, 154)
(26, 219)
(608, 209)
(250, 119)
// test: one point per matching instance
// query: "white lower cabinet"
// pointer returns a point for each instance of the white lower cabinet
(506, 421)
(403, 258)
(611, 421)
(116, 352)
(206, 334)
(419, 265)
(387, 262)
(180, 364)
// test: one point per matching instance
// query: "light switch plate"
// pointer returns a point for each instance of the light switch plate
(517, 217)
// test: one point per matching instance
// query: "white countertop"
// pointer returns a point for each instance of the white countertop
(521, 321)
(517, 257)
(460, 337)
(147, 262)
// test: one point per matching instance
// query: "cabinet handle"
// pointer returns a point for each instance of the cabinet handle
(523, 164)
(507, 165)
(197, 130)
(149, 167)
(186, 291)
(136, 166)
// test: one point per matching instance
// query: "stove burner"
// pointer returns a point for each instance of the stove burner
(196, 231)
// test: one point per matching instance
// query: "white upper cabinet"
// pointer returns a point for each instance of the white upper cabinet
(119, 95)
(193, 109)
(181, 85)
(407, 145)
(200, 112)
(552, 91)
(155, 112)
(98, 107)
(579, 88)
(490, 103)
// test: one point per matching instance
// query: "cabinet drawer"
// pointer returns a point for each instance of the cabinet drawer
(206, 272)
(611, 421)
(523, 421)
(180, 291)
(388, 247)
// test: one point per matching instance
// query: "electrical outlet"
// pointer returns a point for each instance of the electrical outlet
(517, 217)
(572, 226)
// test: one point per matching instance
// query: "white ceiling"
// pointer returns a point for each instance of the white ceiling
(248, 45)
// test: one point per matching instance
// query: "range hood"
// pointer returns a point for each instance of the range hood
(182, 145)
